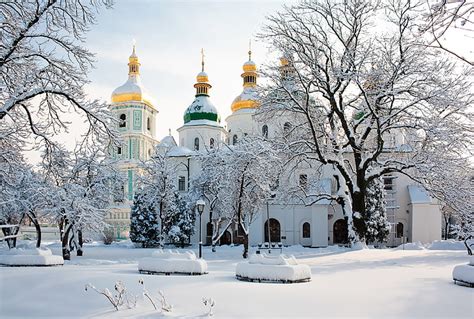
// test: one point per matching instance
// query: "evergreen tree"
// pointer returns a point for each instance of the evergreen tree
(378, 226)
(178, 222)
(144, 223)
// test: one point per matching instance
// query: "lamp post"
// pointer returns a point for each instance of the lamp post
(200, 208)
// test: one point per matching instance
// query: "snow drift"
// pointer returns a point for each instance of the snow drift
(30, 257)
(262, 267)
(169, 262)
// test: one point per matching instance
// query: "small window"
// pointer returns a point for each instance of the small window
(123, 120)
(211, 143)
(306, 230)
(234, 139)
(265, 131)
(303, 181)
(182, 183)
(388, 183)
(196, 144)
(399, 230)
(148, 124)
(119, 150)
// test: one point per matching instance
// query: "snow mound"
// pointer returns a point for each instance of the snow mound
(30, 257)
(359, 246)
(464, 274)
(172, 262)
(281, 268)
(411, 246)
(449, 244)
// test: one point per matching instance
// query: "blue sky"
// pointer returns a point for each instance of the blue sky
(169, 36)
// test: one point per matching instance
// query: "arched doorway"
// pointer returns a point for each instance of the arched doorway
(340, 235)
(275, 232)
(226, 238)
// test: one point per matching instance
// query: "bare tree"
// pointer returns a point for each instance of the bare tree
(365, 98)
(43, 68)
(442, 18)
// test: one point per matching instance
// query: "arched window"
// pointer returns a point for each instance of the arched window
(274, 230)
(211, 143)
(286, 128)
(196, 144)
(399, 230)
(123, 120)
(148, 124)
(306, 230)
(265, 131)
(234, 139)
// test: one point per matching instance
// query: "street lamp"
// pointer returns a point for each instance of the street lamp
(200, 208)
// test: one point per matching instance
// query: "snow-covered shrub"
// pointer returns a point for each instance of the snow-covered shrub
(118, 299)
(281, 268)
(169, 262)
(210, 303)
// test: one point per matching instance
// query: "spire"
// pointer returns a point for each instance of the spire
(250, 49)
(202, 86)
(133, 64)
(202, 59)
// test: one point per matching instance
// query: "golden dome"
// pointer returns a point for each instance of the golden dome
(248, 98)
(132, 89)
(284, 61)
(202, 77)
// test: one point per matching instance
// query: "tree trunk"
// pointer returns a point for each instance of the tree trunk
(65, 242)
(246, 246)
(80, 242)
(358, 205)
(34, 220)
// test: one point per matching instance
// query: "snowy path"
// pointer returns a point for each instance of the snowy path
(366, 283)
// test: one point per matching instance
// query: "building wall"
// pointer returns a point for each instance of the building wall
(425, 222)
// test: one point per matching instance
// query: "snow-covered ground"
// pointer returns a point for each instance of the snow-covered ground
(363, 283)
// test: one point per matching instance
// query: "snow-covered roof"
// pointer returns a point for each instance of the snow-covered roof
(249, 93)
(202, 73)
(418, 195)
(177, 151)
(168, 141)
(134, 87)
(201, 104)
(202, 109)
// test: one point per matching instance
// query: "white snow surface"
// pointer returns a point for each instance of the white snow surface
(464, 273)
(449, 244)
(376, 283)
(173, 262)
(275, 268)
(411, 246)
(29, 257)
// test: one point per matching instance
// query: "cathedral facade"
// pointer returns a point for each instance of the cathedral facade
(413, 214)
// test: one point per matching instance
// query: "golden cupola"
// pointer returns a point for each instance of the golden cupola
(132, 90)
(248, 99)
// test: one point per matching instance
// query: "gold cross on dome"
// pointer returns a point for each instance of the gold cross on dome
(202, 59)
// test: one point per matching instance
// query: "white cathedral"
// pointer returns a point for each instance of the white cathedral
(413, 214)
